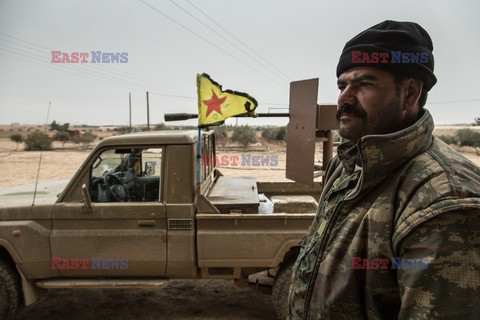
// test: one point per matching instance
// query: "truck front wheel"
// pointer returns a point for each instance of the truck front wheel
(280, 290)
(9, 291)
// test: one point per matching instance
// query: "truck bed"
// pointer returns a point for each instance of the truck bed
(261, 241)
(235, 194)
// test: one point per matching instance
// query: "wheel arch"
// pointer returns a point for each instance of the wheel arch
(290, 256)
(30, 292)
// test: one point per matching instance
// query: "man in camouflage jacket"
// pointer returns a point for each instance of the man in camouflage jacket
(397, 231)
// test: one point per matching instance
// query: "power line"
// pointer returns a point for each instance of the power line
(172, 95)
(98, 68)
(236, 38)
(66, 68)
(228, 40)
(211, 43)
(14, 52)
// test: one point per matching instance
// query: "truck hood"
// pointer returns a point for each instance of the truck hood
(47, 193)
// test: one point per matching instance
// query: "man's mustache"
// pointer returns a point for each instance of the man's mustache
(350, 109)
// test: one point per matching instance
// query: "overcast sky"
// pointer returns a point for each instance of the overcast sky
(253, 46)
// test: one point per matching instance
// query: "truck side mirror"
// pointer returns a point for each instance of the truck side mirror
(87, 203)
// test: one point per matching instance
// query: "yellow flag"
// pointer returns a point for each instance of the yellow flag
(215, 105)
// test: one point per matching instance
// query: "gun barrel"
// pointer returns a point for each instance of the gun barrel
(273, 115)
(186, 116)
(179, 116)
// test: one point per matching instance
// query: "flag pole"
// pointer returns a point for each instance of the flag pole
(199, 153)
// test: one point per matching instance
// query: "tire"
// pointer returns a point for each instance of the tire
(9, 291)
(280, 290)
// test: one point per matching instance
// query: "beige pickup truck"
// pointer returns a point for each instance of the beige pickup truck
(143, 209)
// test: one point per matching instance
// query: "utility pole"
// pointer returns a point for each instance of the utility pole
(148, 113)
(130, 112)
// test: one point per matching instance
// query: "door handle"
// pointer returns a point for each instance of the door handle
(146, 223)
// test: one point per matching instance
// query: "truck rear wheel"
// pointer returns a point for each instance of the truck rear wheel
(9, 291)
(280, 290)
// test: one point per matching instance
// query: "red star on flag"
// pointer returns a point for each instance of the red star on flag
(214, 104)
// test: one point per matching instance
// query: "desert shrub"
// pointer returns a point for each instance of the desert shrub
(85, 139)
(59, 127)
(244, 135)
(61, 136)
(38, 141)
(220, 131)
(18, 138)
(274, 133)
(161, 126)
(122, 130)
(468, 137)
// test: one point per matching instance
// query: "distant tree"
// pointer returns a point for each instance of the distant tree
(282, 133)
(220, 131)
(244, 135)
(18, 138)
(38, 141)
(123, 130)
(477, 122)
(162, 126)
(274, 133)
(468, 137)
(61, 136)
(85, 139)
(267, 133)
(59, 127)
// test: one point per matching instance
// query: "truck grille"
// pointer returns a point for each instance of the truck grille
(180, 224)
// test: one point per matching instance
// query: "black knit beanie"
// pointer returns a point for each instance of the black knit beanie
(402, 48)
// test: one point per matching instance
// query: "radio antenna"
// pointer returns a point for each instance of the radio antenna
(41, 154)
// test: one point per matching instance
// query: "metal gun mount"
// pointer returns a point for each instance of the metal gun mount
(309, 123)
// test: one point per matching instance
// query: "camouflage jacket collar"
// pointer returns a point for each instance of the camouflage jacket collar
(382, 154)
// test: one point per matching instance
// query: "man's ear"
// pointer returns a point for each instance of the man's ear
(413, 90)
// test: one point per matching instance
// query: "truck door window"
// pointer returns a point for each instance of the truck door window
(127, 175)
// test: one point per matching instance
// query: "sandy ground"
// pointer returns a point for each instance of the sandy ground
(180, 299)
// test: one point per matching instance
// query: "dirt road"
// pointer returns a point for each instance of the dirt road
(180, 299)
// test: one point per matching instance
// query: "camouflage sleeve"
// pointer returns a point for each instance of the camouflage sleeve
(439, 272)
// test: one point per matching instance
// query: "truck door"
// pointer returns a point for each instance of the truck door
(123, 232)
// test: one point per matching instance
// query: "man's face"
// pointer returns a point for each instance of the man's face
(368, 103)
